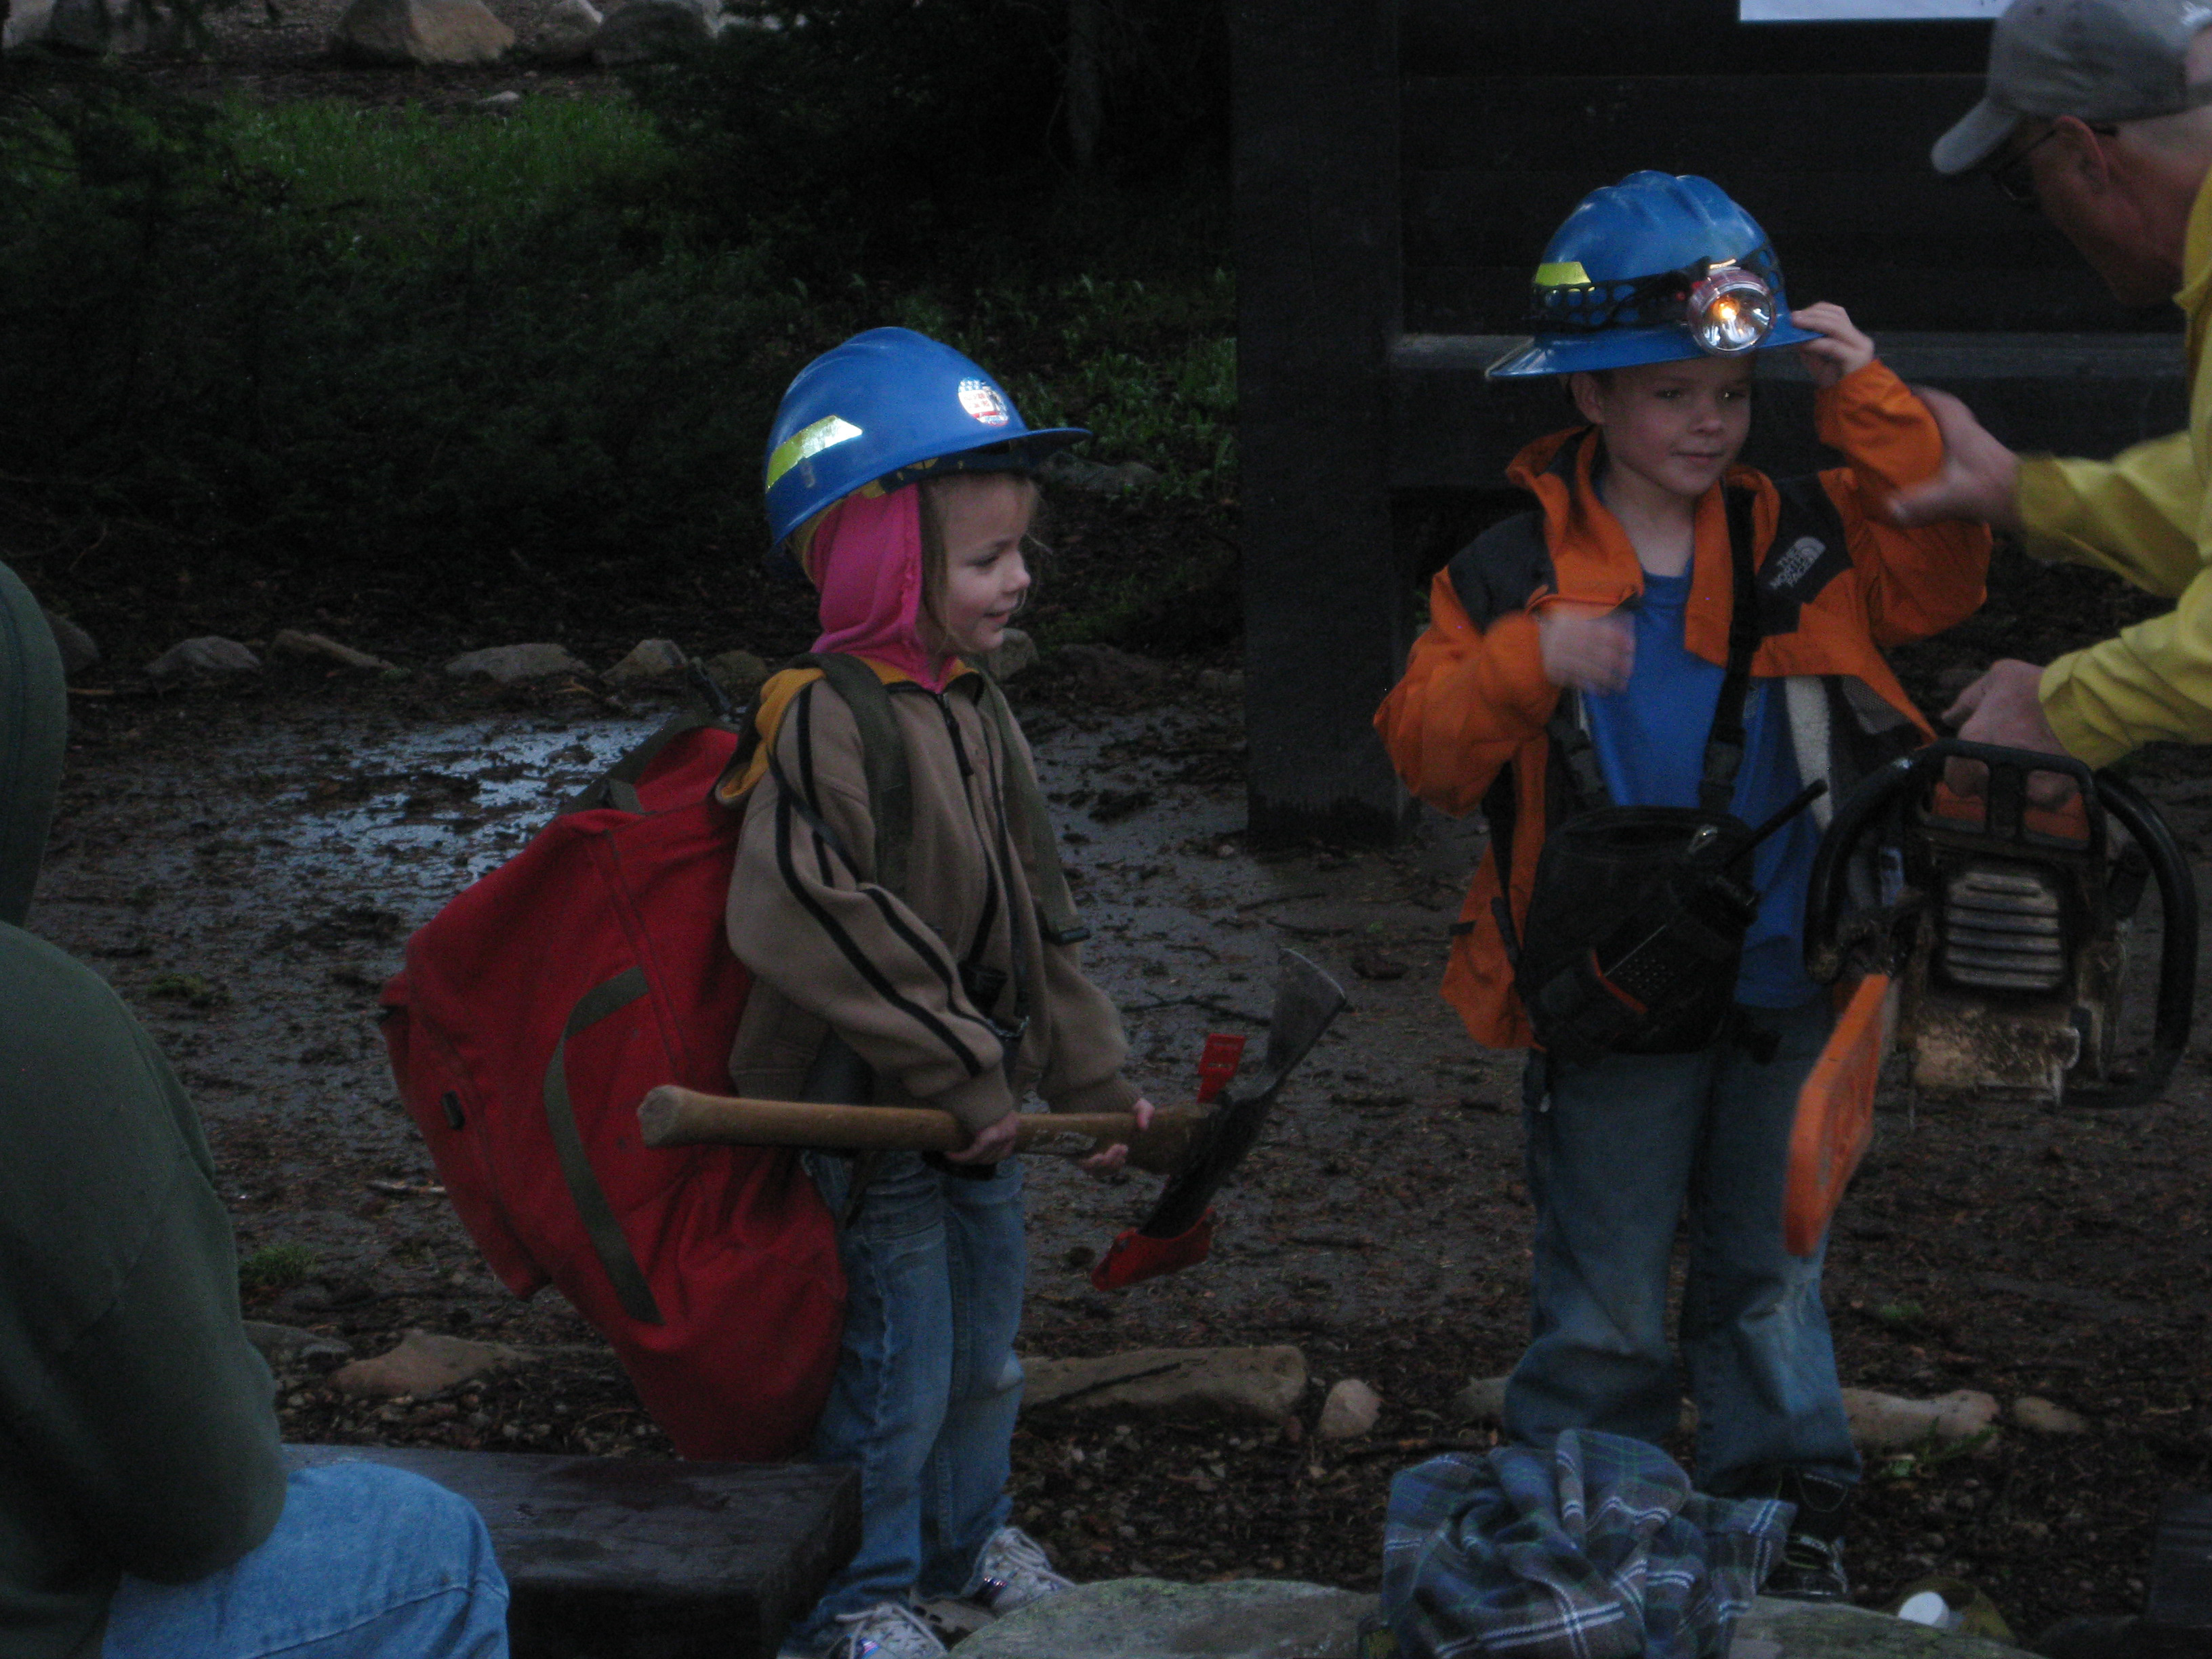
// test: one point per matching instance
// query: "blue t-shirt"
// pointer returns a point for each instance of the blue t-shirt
(1649, 738)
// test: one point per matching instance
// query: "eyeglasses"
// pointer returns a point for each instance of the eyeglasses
(2013, 181)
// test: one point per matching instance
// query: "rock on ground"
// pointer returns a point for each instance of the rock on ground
(1221, 682)
(738, 672)
(1885, 1422)
(291, 642)
(425, 1362)
(1015, 653)
(1349, 1412)
(1260, 1385)
(100, 27)
(287, 1346)
(563, 34)
(402, 32)
(1153, 1618)
(209, 653)
(648, 659)
(2034, 1412)
(509, 663)
(79, 649)
(651, 31)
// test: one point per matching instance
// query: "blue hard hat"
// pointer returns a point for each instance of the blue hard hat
(1620, 277)
(887, 407)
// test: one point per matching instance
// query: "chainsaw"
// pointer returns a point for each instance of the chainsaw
(1988, 946)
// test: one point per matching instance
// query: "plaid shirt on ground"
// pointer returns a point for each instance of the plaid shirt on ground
(1599, 1550)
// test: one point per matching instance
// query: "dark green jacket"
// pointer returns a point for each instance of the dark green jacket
(136, 1433)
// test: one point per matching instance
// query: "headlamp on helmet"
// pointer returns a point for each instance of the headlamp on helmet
(1730, 310)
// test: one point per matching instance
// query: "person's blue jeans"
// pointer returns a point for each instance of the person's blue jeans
(1628, 1144)
(367, 1562)
(927, 1386)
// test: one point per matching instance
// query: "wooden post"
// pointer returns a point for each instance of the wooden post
(1326, 611)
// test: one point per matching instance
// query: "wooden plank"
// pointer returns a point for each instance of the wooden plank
(1603, 37)
(1605, 125)
(1327, 616)
(622, 1558)
(2068, 394)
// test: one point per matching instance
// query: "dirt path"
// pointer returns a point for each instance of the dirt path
(243, 864)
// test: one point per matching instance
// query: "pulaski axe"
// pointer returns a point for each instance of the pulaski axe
(1197, 1151)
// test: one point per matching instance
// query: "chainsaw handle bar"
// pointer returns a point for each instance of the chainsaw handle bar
(674, 1116)
(1879, 792)
(2177, 957)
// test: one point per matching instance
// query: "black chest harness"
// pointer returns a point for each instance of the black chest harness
(1635, 925)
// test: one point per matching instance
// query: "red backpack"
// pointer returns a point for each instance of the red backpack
(535, 1011)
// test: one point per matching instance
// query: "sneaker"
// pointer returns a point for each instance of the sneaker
(1811, 1570)
(1013, 1572)
(1812, 1565)
(889, 1630)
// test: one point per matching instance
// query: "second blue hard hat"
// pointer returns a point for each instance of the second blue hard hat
(887, 407)
(1652, 269)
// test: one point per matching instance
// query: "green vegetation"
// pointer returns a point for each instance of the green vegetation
(274, 1267)
(384, 366)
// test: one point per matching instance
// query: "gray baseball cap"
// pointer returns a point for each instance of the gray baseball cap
(2097, 60)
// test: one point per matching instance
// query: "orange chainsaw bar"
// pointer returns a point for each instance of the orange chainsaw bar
(1835, 1114)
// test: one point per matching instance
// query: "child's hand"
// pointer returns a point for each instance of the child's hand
(989, 1145)
(1585, 648)
(1115, 1157)
(1843, 351)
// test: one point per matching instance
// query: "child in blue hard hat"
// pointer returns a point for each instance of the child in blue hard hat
(900, 478)
(1596, 678)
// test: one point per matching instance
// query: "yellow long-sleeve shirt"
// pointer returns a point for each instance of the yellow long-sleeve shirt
(2145, 515)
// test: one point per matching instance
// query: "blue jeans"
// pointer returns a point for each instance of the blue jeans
(1626, 1144)
(366, 1562)
(927, 1387)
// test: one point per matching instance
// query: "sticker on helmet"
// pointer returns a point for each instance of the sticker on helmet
(981, 400)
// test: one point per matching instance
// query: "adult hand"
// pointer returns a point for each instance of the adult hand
(1977, 479)
(2005, 706)
(990, 1144)
(1842, 349)
(1115, 1157)
(1585, 648)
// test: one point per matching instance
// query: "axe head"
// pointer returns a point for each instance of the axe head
(1180, 1228)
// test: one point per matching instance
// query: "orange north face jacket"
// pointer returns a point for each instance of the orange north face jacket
(1466, 727)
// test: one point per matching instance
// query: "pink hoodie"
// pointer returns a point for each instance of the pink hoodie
(865, 557)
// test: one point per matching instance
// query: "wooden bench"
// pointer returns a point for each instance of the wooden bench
(614, 1558)
(1399, 165)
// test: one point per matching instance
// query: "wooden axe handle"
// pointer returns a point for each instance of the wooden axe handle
(671, 1116)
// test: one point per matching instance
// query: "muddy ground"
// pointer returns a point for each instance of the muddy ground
(243, 862)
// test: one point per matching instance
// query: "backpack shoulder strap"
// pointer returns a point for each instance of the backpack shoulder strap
(616, 787)
(883, 761)
(883, 751)
(1056, 915)
(1724, 747)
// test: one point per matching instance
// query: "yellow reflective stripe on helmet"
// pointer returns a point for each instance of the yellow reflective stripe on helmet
(826, 433)
(1565, 273)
